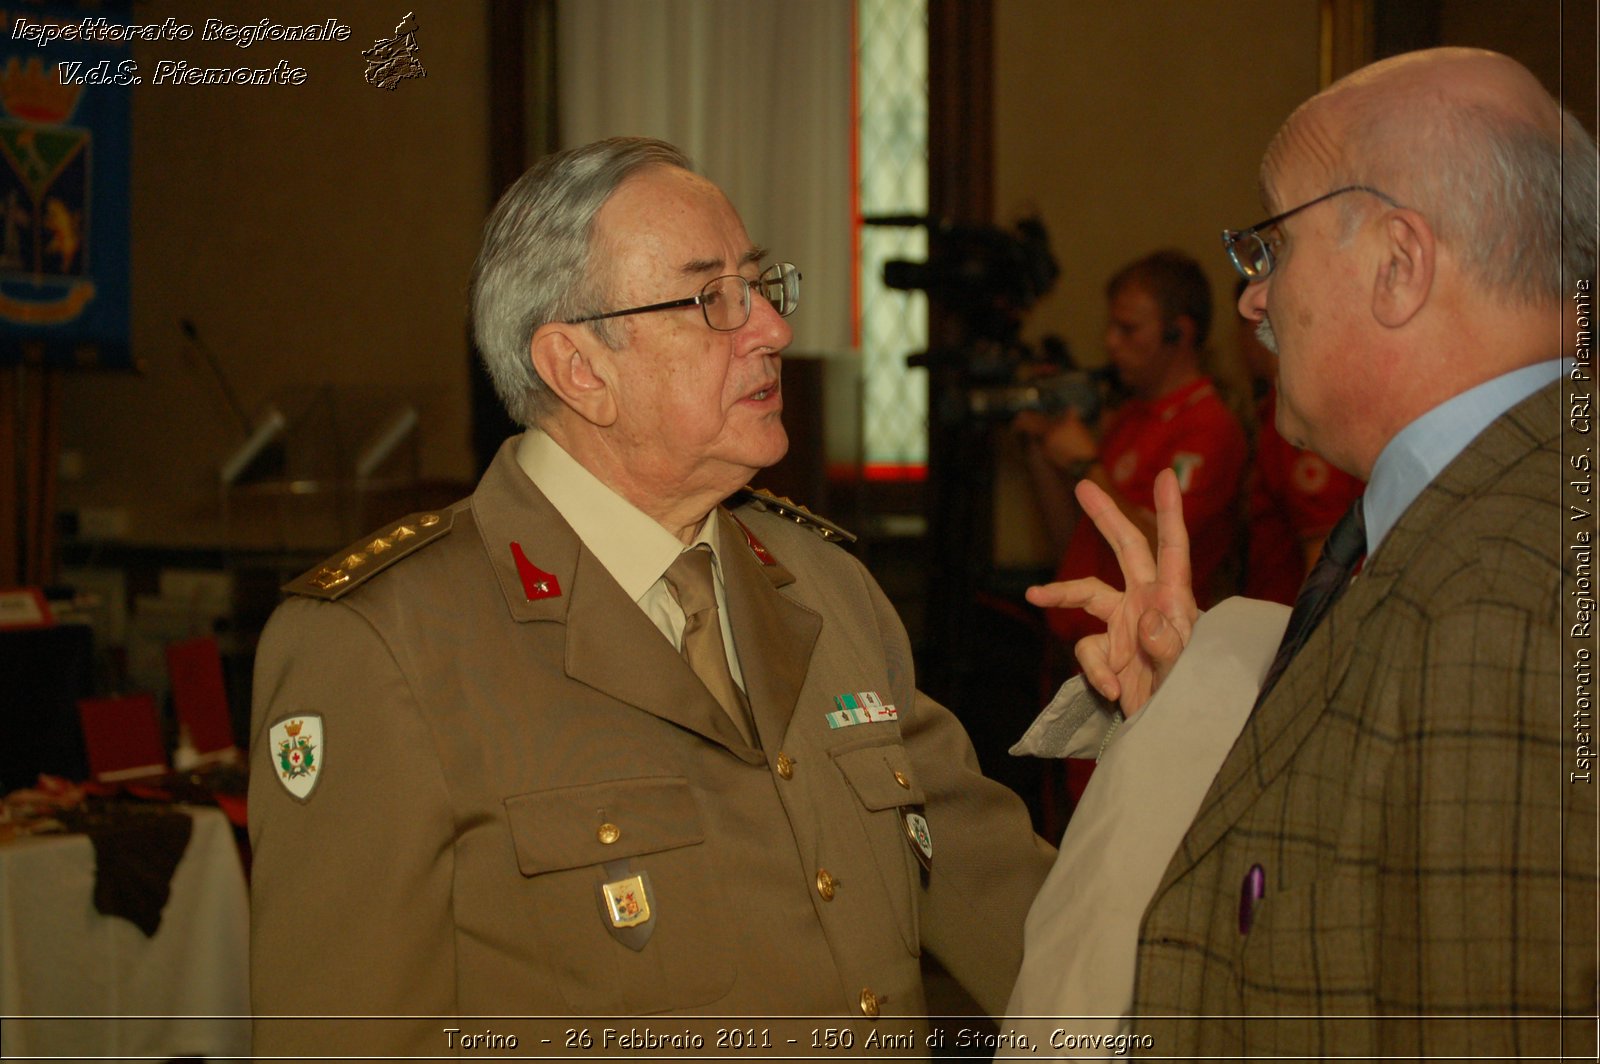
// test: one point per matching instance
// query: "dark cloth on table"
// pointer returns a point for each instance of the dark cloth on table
(137, 849)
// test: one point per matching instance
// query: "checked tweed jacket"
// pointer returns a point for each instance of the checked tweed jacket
(1404, 793)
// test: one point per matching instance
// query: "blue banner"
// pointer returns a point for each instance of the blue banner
(64, 203)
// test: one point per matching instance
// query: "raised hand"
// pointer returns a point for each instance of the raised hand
(1149, 622)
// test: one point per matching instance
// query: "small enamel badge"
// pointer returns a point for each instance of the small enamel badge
(626, 902)
(862, 707)
(298, 753)
(921, 839)
(624, 897)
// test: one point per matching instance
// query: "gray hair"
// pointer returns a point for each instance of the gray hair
(1514, 200)
(537, 264)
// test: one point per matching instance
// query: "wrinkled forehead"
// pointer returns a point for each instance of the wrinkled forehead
(664, 226)
(1304, 155)
(674, 214)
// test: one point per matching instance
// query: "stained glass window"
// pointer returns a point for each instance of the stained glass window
(892, 146)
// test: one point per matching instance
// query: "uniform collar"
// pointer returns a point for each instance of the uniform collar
(632, 546)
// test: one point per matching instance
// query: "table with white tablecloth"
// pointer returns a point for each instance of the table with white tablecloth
(76, 982)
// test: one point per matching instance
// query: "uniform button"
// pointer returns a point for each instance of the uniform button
(870, 1003)
(785, 766)
(900, 778)
(608, 834)
(825, 884)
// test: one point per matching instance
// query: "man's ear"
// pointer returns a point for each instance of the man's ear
(1406, 268)
(573, 365)
(1181, 330)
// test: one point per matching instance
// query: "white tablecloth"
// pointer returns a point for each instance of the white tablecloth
(107, 989)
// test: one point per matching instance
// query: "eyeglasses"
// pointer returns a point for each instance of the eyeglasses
(1252, 253)
(725, 301)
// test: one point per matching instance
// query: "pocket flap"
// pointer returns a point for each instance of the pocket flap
(880, 774)
(589, 824)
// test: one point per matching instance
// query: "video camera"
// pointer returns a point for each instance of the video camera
(1084, 392)
(985, 275)
(988, 277)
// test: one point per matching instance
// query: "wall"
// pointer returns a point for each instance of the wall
(1130, 127)
(316, 235)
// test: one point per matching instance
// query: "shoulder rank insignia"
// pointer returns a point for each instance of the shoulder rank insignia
(762, 499)
(370, 555)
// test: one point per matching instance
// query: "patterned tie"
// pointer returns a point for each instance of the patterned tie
(689, 579)
(1344, 548)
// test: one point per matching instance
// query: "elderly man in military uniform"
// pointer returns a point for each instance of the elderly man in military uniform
(614, 736)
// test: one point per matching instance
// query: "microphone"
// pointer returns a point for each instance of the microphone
(383, 442)
(189, 330)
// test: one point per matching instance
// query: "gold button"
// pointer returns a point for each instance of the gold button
(608, 833)
(825, 884)
(870, 1003)
(785, 766)
(900, 778)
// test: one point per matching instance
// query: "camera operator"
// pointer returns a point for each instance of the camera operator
(1158, 312)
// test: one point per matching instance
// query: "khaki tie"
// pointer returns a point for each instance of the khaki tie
(689, 578)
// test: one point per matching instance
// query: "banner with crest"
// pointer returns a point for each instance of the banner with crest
(64, 201)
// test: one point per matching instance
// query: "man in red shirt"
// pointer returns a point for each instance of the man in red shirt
(1158, 312)
(1295, 496)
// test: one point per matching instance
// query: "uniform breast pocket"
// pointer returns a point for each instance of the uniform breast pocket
(618, 889)
(879, 774)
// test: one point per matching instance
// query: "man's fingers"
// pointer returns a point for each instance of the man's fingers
(1130, 545)
(1161, 642)
(1091, 655)
(1087, 594)
(1172, 537)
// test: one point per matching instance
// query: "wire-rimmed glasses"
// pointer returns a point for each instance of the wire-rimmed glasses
(725, 301)
(1251, 252)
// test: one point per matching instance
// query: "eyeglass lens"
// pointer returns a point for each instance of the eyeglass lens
(1250, 254)
(726, 300)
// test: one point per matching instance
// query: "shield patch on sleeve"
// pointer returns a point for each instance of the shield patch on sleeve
(299, 753)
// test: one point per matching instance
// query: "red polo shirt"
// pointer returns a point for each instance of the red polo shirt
(1194, 433)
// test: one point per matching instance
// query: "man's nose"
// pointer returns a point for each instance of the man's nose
(1253, 300)
(766, 323)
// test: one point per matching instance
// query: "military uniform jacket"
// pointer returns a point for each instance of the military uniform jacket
(493, 754)
(1398, 801)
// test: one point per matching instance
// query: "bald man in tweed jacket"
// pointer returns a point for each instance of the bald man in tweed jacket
(1394, 860)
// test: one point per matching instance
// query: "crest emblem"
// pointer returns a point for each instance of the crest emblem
(920, 837)
(298, 752)
(627, 903)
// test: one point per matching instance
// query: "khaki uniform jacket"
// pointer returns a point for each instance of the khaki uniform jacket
(477, 744)
(1402, 792)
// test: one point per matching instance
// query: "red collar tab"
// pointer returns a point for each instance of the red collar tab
(536, 583)
(756, 547)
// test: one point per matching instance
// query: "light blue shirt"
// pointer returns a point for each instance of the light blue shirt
(1423, 448)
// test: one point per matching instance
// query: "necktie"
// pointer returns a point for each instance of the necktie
(1345, 546)
(689, 579)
